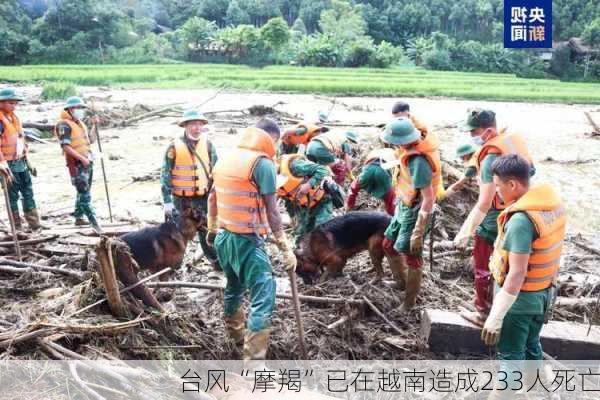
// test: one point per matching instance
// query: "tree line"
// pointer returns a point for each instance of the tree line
(465, 35)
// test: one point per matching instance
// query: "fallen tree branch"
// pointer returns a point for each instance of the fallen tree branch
(61, 271)
(29, 241)
(382, 316)
(592, 123)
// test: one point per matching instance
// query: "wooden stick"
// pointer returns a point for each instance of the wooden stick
(67, 272)
(109, 278)
(298, 315)
(304, 298)
(11, 217)
(383, 317)
(17, 270)
(591, 121)
(124, 290)
(80, 382)
(337, 323)
(585, 247)
(30, 241)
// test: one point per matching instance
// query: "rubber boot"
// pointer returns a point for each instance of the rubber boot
(236, 325)
(33, 219)
(413, 284)
(256, 344)
(399, 270)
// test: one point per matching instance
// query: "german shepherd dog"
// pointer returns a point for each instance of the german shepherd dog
(158, 247)
(323, 252)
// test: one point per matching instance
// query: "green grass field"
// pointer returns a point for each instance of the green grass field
(413, 82)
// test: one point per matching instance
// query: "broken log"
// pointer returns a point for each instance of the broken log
(304, 298)
(448, 332)
(109, 277)
(61, 271)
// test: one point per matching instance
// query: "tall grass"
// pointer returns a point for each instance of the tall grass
(404, 81)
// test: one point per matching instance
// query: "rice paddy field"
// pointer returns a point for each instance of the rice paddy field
(401, 81)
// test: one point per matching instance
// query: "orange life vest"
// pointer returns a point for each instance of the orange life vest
(547, 212)
(333, 141)
(240, 207)
(504, 143)
(191, 177)
(13, 132)
(290, 188)
(80, 142)
(311, 131)
(427, 148)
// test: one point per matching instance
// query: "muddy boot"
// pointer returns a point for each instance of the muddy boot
(413, 284)
(256, 344)
(33, 219)
(399, 270)
(236, 325)
(80, 221)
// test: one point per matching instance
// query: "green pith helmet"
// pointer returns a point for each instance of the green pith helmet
(465, 149)
(400, 132)
(478, 118)
(74, 101)
(192, 115)
(352, 136)
(9, 94)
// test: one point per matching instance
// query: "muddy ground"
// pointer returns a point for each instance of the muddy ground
(558, 135)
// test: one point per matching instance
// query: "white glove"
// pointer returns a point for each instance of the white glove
(168, 208)
(491, 329)
(468, 228)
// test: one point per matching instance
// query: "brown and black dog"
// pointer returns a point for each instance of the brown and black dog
(158, 247)
(323, 252)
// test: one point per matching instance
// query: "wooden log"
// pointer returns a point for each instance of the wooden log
(61, 271)
(109, 278)
(447, 331)
(39, 125)
(592, 123)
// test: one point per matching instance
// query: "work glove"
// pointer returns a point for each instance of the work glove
(416, 238)
(468, 228)
(211, 226)
(283, 244)
(493, 324)
(169, 210)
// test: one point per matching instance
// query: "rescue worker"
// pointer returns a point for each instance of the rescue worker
(328, 148)
(375, 180)
(306, 199)
(466, 153)
(295, 139)
(401, 109)
(419, 165)
(482, 219)
(13, 161)
(525, 260)
(244, 199)
(186, 176)
(75, 141)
